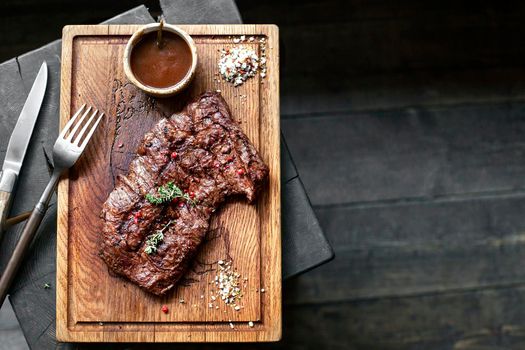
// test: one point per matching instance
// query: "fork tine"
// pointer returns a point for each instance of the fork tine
(88, 137)
(84, 128)
(71, 121)
(77, 125)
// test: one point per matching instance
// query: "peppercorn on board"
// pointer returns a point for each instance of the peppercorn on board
(95, 306)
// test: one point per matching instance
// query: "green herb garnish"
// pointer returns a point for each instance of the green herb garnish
(167, 193)
(47, 286)
(153, 240)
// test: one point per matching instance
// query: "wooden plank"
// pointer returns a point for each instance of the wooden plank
(409, 153)
(81, 303)
(458, 44)
(335, 11)
(479, 319)
(324, 92)
(391, 250)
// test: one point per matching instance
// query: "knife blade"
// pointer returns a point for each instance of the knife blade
(17, 147)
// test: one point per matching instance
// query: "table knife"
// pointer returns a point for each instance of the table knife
(16, 149)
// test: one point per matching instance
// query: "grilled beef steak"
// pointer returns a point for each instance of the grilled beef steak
(205, 154)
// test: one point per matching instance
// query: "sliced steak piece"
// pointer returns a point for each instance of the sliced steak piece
(202, 151)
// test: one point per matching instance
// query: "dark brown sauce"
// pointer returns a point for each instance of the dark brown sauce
(161, 67)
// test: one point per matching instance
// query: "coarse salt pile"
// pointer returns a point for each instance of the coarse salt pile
(262, 44)
(237, 64)
(228, 286)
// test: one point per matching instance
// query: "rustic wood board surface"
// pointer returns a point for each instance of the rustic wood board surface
(93, 304)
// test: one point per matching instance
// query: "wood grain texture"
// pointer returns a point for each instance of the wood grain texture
(92, 304)
(404, 249)
(464, 320)
(410, 153)
(422, 200)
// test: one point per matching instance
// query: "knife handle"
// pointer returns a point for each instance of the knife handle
(5, 204)
(7, 184)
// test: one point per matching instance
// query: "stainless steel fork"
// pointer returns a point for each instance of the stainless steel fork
(68, 147)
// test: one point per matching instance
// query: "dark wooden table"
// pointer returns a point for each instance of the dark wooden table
(408, 130)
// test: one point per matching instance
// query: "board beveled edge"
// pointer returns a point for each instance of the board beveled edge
(62, 333)
(270, 327)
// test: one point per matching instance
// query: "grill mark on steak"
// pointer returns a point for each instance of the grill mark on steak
(214, 160)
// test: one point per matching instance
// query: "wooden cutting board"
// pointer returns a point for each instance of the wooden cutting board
(93, 305)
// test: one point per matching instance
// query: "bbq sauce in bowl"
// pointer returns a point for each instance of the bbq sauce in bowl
(160, 59)
(164, 65)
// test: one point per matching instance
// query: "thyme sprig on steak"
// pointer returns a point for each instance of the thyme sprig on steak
(167, 193)
(152, 242)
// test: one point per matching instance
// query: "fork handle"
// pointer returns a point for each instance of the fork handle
(21, 248)
(27, 235)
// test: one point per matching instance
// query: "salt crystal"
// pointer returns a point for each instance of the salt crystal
(238, 64)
